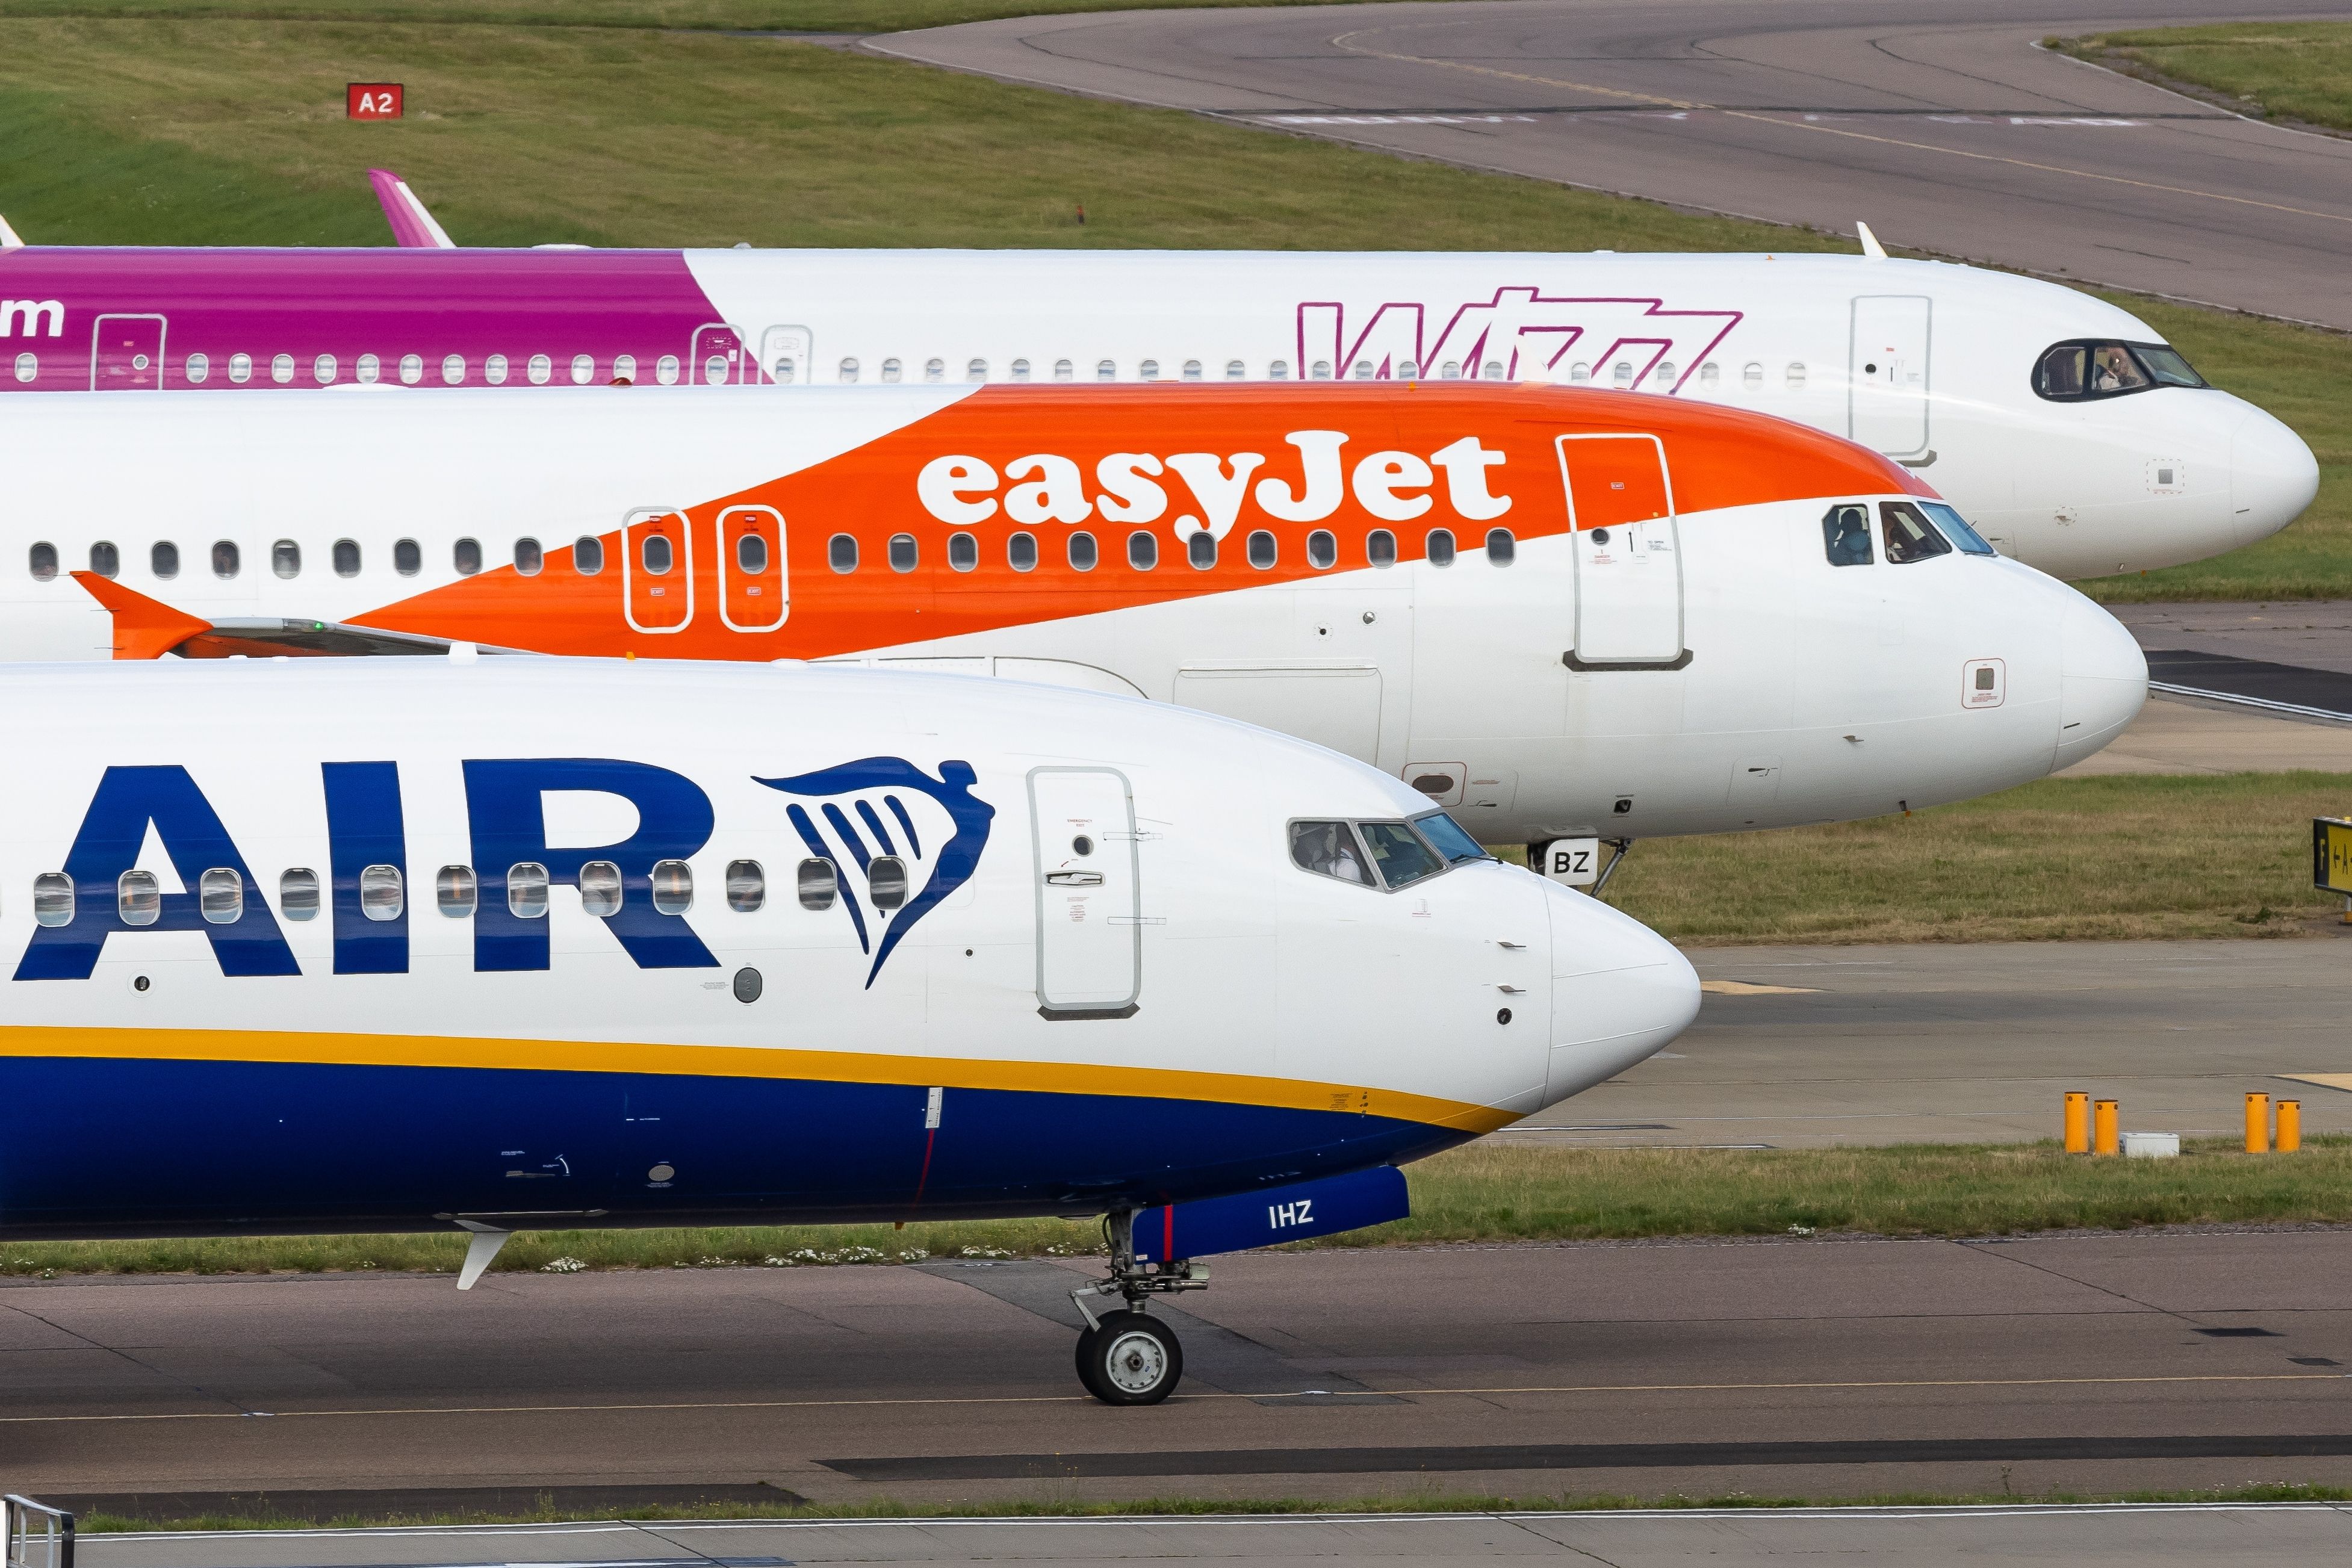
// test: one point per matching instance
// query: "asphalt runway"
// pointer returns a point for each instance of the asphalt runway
(1944, 129)
(2113, 1537)
(1979, 1042)
(1780, 1367)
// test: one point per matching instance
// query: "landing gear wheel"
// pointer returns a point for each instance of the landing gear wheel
(1130, 1358)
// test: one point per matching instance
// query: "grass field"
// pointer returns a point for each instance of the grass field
(1486, 1192)
(747, 16)
(2297, 70)
(210, 128)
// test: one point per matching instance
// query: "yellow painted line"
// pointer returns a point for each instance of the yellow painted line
(1342, 42)
(1742, 988)
(368, 1412)
(741, 1061)
(2324, 1080)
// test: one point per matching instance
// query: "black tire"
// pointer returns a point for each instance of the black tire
(1132, 1358)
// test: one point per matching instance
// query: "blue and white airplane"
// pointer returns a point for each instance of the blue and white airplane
(505, 942)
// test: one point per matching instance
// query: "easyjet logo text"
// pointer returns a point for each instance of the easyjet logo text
(1209, 491)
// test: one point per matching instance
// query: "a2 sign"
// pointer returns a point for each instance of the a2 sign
(373, 100)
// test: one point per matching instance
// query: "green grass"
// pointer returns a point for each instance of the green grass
(1200, 1507)
(117, 127)
(750, 16)
(1483, 1193)
(2295, 71)
(2123, 857)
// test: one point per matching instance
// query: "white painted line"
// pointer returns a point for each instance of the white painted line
(2249, 702)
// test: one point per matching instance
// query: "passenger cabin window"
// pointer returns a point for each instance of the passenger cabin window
(297, 894)
(240, 368)
(527, 890)
(1322, 549)
(600, 889)
(654, 554)
(347, 558)
(381, 897)
(885, 880)
(368, 369)
(1329, 849)
(28, 369)
(1845, 534)
(1142, 551)
(220, 896)
(407, 556)
(1106, 371)
(1502, 547)
(1908, 534)
(198, 366)
(286, 559)
(1020, 370)
(1440, 546)
(1398, 853)
(105, 559)
(1381, 547)
(904, 552)
(840, 552)
(2086, 368)
(494, 370)
(673, 887)
(587, 556)
(466, 556)
(1449, 839)
(892, 371)
(322, 370)
(624, 370)
(1279, 370)
(1065, 372)
(1149, 370)
(1192, 370)
(750, 554)
(455, 891)
(138, 898)
(53, 899)
(1262, 552)
(227, 558)
(977, 371)
(747, 887)
(540, 369)
(665, 370)
(1956, 528)
(583, 370)
(815, 884)
(529, 558)
(1201, 549)
(1021, 552)
(281, 369)
(412, 368)
(42, 559)
(935, 370)
(1084, 555)
(963, 551)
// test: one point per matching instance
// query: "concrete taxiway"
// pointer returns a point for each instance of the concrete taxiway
(1776, 1367)
(2125, 1536)
(1949, 132)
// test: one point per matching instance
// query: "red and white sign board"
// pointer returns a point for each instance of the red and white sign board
(373, 101)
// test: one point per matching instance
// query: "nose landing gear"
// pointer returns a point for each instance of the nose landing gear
(1127, 1357)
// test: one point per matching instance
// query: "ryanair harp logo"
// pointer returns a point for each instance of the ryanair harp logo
(881, 814)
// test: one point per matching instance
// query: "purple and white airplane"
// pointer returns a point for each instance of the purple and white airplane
(2066, 427)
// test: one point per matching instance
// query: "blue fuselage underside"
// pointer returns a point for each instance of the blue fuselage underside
(112, 1147)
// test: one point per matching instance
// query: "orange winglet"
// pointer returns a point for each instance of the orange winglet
(144, 628)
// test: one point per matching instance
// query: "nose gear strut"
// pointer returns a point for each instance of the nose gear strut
(1125, 1356)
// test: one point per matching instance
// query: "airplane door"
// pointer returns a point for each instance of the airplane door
(752, 590)
(1090, 925)
(1887, 374)
(1627, 552)
(719, 359)
(126, 353)
(784, 356)
(656, 570)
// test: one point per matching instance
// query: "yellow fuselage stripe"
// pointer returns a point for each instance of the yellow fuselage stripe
(741, 1061)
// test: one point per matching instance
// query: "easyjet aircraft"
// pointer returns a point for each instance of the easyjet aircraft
(2064, 426)
(407, 945)
(1566, 612)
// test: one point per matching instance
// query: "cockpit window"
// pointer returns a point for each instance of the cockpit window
(1956, 528)
(1449, 839)
(1845, 534)
(1399, 852)
(1329, 849)
(1910, 535)
(2088, 368)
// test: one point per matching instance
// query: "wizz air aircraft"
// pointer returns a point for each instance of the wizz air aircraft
(1564, 614)
(399, 945)
(2074, 437)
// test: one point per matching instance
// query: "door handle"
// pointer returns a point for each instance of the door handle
(1074, 878)
(1510, 947)
(1512, 991)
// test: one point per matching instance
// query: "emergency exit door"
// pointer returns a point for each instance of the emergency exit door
(1627, 552)
(1887, 373)
(126, 353)
(656, 570)
(1089, 922)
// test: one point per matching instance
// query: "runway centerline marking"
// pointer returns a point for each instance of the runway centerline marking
(1342, 42)
(1279, 1394)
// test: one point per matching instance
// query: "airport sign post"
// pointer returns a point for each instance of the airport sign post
(2331, 857)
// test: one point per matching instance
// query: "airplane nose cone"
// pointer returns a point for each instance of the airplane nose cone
(2103, 681)
(2273, 477)
(1620, 992)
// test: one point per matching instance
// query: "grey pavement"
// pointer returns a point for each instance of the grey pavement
(1979, 1043)
(1776, 1367)
(2113, 1537)
(1945, 128)
(2315, 633)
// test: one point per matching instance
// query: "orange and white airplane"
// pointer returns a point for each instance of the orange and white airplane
(1566, 613)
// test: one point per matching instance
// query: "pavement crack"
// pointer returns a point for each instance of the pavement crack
(117, 1351)
(2009, 1257)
